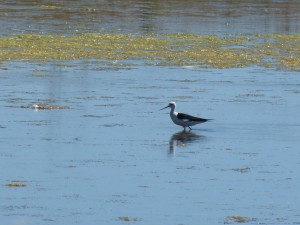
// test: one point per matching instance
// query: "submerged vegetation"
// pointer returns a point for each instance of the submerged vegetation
(187, 50)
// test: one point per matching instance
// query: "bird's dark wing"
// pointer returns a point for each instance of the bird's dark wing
(187, 117)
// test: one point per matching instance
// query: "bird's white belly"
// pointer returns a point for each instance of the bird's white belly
(178, 121)
(183, 123)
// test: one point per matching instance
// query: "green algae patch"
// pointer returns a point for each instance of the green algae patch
(184, 50)
(280, 51)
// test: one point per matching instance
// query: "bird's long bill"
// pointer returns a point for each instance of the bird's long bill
(165, 107)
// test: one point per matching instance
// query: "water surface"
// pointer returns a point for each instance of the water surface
(107, 155)
(113, 154)
(167, 16)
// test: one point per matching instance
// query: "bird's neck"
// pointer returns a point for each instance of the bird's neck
(172, 111)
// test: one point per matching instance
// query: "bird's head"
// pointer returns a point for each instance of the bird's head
(171, 105)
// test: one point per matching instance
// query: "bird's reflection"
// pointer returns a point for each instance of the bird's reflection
(182, 139)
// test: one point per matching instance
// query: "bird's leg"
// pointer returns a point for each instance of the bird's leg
(183, 128)
(190, 128)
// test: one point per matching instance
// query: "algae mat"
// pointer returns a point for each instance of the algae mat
(280, 51)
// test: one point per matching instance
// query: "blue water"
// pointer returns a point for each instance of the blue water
(114, 154)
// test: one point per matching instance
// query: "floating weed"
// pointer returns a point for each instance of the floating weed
(15, 185)
(237, 219)
(114, 125)
(45, 107)
(107, 97)
(119, 51)
(184, 80)
(93, 116)
(242, 170)
(128, 219)
(108, 105)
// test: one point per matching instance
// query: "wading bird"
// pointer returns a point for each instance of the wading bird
(182, 119)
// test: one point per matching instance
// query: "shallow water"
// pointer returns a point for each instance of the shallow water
(113, 156)
(108, 155)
